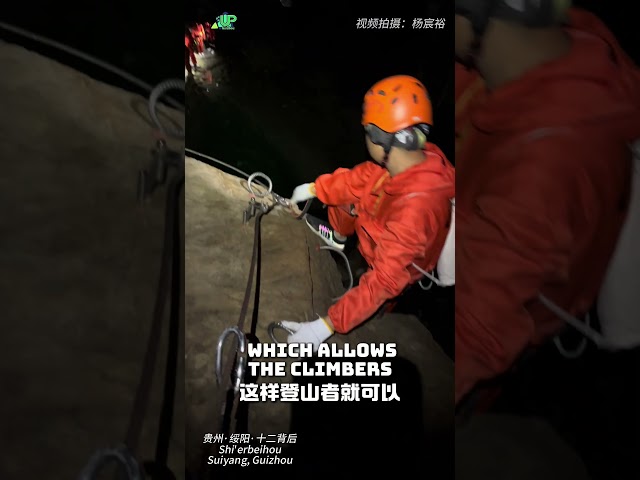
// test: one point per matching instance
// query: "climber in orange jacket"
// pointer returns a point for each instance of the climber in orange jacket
(399, 206)
(543, 175)
(189, 57)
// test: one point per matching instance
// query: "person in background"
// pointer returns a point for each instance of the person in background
(399, 205)
(209, 35)
(189, 55)
(212, 38)
(201, 37)
(197, 41)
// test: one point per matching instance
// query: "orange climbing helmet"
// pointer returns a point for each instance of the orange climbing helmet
(396, 103)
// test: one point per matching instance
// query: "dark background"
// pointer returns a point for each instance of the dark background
(619, 19)
(143, 38)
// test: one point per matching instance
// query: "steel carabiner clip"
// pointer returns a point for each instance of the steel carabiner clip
(242, 361)
(277, 325)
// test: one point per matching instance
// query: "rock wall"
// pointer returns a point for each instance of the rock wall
(79, 268)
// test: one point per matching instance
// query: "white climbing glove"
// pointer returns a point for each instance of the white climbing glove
(314, 332)
(303, 192)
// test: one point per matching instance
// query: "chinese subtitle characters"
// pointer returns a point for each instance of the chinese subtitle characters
(437, 23)
(238, 438)
(293, 392)
(397, 23)
(379, 23)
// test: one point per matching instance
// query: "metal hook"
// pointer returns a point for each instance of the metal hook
(241, 348)
(273, 325)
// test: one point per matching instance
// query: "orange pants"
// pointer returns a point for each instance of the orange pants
(341, 220)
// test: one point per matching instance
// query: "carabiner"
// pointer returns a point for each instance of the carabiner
(273, 325)
(241, 348)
